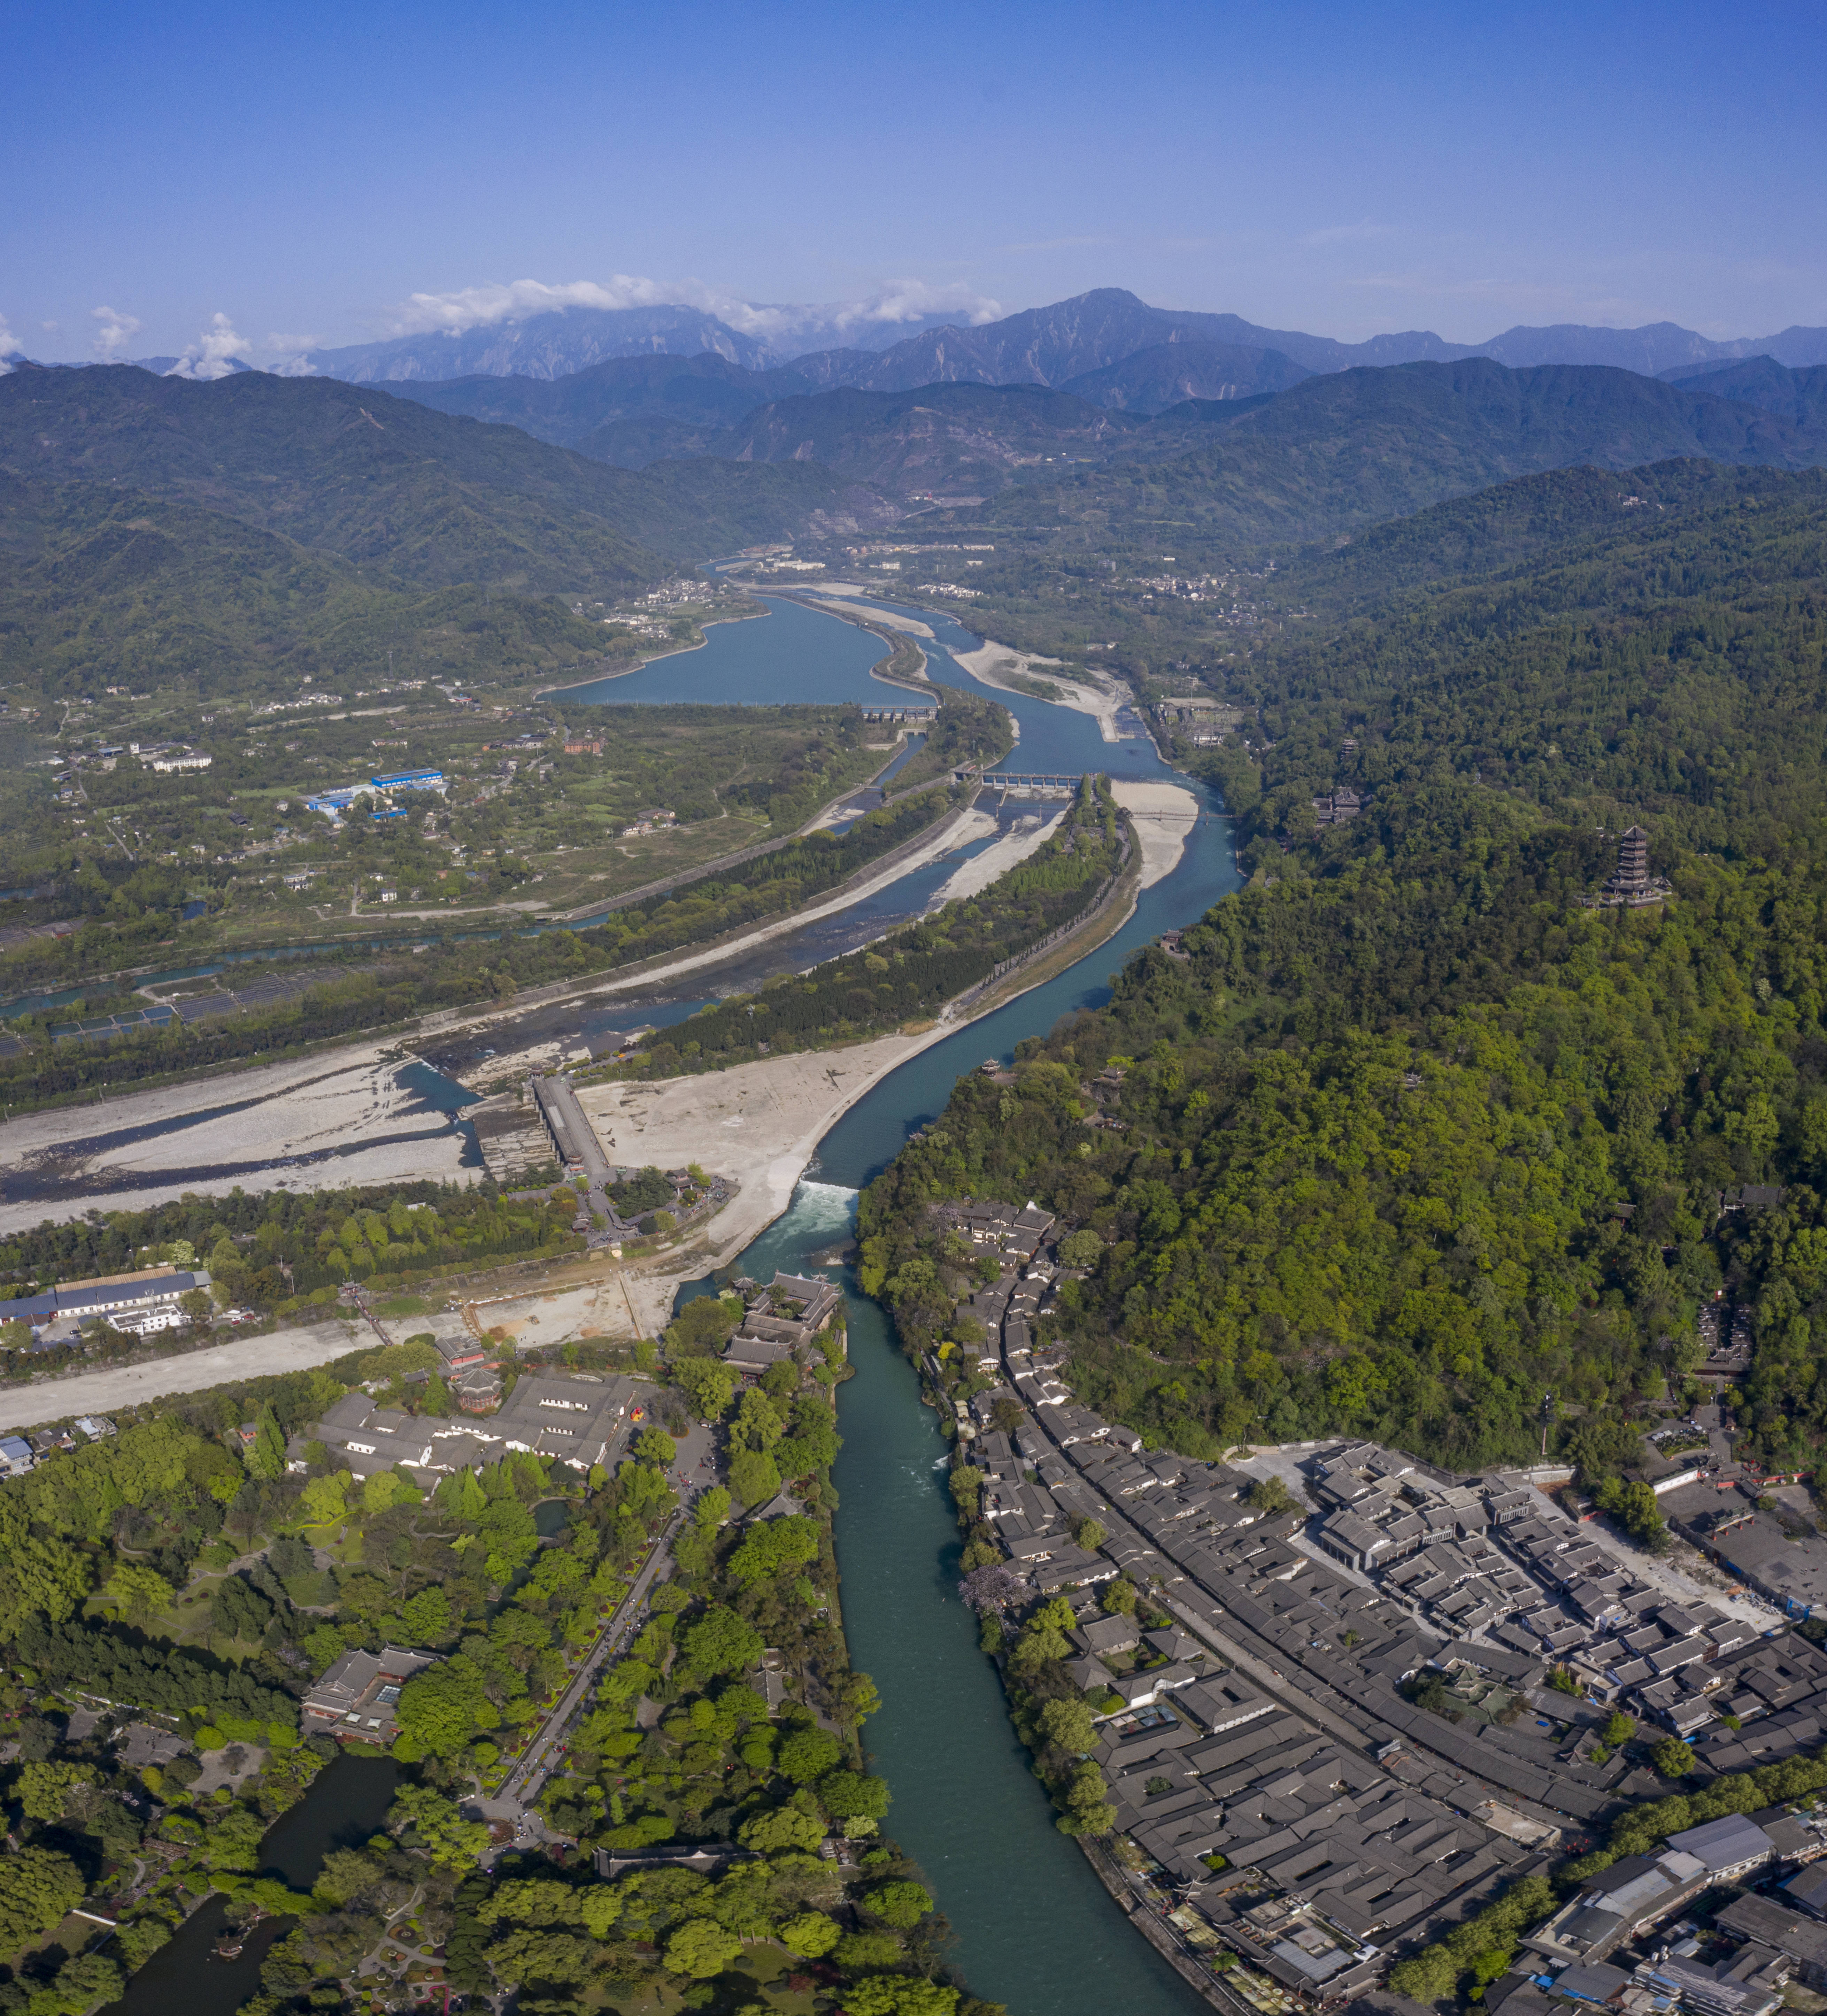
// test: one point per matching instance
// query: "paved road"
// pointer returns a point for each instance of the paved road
(292, 1350)
(542, 1753)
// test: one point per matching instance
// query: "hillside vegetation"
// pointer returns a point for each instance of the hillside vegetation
(163, 593)
(1412, 1139)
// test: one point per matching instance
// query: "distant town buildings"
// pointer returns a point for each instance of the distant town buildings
(383, 785)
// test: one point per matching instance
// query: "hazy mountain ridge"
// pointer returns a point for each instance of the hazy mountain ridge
(557, 342)
(1800, 395)
(707, 392)
(1047, 345)
(972, 435)
(1166, 374)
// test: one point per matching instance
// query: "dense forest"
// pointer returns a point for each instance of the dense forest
(1411, 1142)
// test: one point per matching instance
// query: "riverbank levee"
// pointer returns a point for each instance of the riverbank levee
(1035, 1929)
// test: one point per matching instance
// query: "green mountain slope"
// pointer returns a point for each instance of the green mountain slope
(976, 436)
(102, 585)
(422, 498)
(1341, 452)
(1515, 529)
(1411, 1136)
(707, 392)
(380, 481)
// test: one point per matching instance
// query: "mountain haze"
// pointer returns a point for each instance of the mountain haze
(554, 342)
(1150, 380)
(1799, 396)
(1045, 346)
(702, 393)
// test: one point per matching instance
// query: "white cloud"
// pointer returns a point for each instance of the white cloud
(290, 351)
(911, 300)
(470, 307)
(209, 356)
(116, 331)
(6, 345)
(894, 301)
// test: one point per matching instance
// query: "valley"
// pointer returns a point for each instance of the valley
(1108, 956)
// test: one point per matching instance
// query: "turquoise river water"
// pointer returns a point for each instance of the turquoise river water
(1034, 1927)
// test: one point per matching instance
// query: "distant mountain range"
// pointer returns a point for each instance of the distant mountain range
(1472, 416)
(559, 341)
(1045, 346)
(509, 481)
(356, 503)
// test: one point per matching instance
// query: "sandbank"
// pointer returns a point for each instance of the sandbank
(982, 870)
(760, 1122)
(992, 664)
(313, 1123)
(889, 619)
(1164, 816)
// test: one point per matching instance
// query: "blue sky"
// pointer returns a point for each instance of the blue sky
(305, 171)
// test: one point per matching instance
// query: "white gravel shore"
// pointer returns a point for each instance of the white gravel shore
(313, 1122)
(993, 665)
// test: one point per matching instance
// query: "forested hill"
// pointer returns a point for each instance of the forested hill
(1339, 452)
(425, 498)
(1411, 1137)
(163, 593)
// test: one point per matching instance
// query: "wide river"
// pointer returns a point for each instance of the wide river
(1034, 1927)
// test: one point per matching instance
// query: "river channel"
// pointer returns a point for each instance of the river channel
(1034, 1926)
